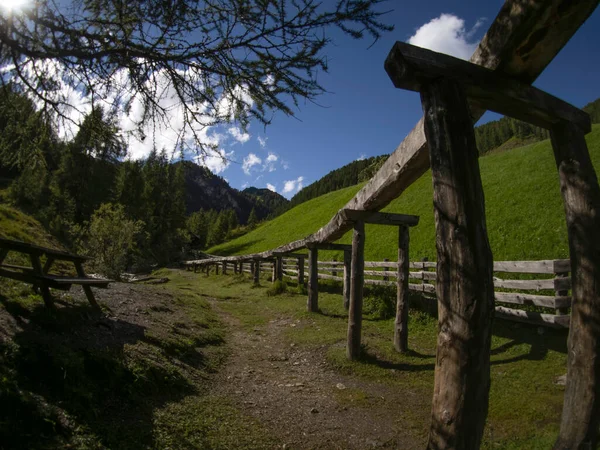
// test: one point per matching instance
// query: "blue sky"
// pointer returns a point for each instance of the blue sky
(363, 115)
(360, 116)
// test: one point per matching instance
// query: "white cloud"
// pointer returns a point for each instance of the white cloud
(285, 165)
(362, 157)
(216, 163)
(293, 185)
(167, 131)
(447, 34)
(262, 141)
(238, 135)
(250, 161)
(271, 187)
(245, 185)
(270, 162)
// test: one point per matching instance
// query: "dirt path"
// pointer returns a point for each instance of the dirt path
(301, 400)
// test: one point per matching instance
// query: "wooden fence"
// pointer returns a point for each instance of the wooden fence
(549, 292)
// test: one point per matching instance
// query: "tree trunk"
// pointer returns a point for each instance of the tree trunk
(347, 270)
(401, 322)
(357, 275)
(581, 197)
(313, 280)
(464, 286)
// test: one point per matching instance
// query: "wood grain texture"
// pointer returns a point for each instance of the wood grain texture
(464, 285)
(581, 197)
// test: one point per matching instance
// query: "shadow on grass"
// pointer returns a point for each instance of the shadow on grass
(540, 340)
(370, 358)
(69, 375)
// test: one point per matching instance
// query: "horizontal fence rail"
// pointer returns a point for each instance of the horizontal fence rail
(550, 295)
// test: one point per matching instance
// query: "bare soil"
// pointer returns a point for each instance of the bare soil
(291, 391)
(302, 400)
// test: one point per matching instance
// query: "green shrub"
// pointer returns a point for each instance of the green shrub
(111, 239)
(277, 288)
(380, 301)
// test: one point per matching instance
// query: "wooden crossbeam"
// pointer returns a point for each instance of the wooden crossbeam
(410, 67)
(379, 218)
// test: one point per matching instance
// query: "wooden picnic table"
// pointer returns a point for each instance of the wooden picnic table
(40, 277)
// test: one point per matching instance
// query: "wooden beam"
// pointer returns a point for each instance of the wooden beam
(464, 287)
(581, 198)
(410, 67)
(356, 292)
(379, 218)
(312, 304)
(401, 322)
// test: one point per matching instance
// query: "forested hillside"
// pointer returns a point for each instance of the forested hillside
(348, 175)
(207, 191)
(90, 197)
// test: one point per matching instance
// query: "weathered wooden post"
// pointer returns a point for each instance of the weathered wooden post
(581, 197)
(224, 267)
(313, 280)
(256, 271)
(401, 322)
(217, 268)
(385, 269)
(273, 271)
(300, 270)
(279, 268)
(347, 271)
(241, 269)
(464, 285)
(357, 276)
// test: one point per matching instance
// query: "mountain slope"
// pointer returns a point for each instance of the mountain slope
(204, 190)
(525, 217)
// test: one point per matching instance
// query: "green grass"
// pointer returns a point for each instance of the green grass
(525, 403)
(132, 387)
(525, 216)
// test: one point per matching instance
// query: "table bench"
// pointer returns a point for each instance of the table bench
(39, 275)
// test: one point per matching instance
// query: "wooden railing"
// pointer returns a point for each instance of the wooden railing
(549, 293)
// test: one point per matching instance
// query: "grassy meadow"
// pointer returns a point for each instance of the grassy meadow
(525, 217)
(525, 401)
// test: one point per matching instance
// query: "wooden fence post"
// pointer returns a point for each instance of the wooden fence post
(300, 271)
(464, 287)
(279, 268)
(401, 322)
(581, 197)
(346, 289)
(273, 272)
(256, 271)
(357, 277)
(313, 280)
(385, 269)
(224, 268)
(216, 268)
